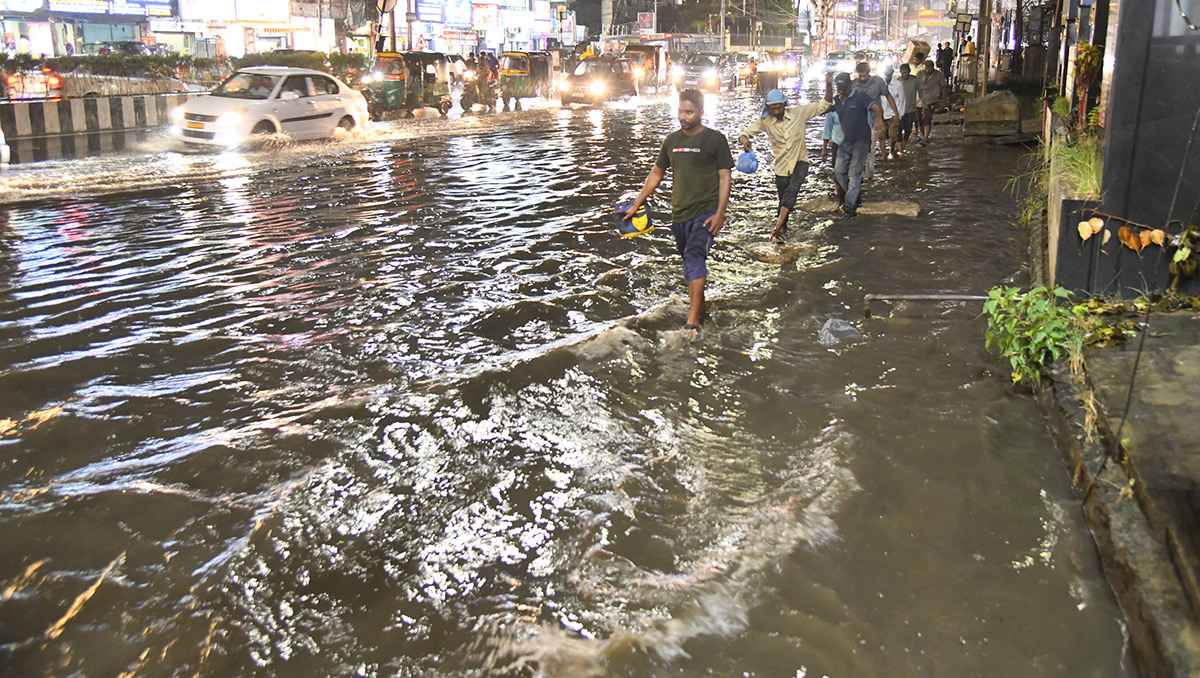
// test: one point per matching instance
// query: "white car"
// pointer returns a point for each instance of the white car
(298, 102)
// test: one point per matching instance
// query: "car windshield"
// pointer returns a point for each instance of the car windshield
(390, 66)
(514, 62)
(592, 67)
(247, 86)
(702, 60)
(636, 57)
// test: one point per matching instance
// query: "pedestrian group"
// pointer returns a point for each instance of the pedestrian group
(860, 113)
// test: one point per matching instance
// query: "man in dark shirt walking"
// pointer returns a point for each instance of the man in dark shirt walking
(853, 108)
(700, 164)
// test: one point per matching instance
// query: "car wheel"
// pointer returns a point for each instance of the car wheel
(264, 127)
(346, 123)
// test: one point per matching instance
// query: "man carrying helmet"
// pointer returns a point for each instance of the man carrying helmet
(701, 169)
(784, 127)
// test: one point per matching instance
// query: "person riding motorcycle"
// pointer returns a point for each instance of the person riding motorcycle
(479, 84)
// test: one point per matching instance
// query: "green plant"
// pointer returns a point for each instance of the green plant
(1082, 164)
(1061, 108)
(1030, 187)
(1032, 329)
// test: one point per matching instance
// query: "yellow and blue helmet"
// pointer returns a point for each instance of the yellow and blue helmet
(638, 225)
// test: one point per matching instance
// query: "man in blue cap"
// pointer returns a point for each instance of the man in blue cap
(784, 127)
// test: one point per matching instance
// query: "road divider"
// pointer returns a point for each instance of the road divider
(32, 119)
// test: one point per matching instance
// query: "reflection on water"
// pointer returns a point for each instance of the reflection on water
(397, 404)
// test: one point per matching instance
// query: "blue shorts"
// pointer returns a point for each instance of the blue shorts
(693, 241)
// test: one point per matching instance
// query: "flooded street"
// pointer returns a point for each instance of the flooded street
(400, 405)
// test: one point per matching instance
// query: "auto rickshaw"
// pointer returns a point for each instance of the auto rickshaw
(650, 64)
(385, 84)
(525, 74)
(428, 82)
(405, 81)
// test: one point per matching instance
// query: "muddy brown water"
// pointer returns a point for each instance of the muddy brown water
(404, 405)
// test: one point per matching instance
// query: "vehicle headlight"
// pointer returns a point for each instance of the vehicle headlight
(637, 72)
(231, 118)
(366, 79)
(177, 113)
(677, 72)
(565, 86)
(597, 87)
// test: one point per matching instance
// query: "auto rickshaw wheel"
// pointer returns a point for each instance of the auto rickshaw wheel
(444, 108)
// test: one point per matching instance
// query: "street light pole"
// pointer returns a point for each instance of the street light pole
(723, 45)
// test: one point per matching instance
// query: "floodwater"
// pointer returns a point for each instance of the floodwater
(403, 404)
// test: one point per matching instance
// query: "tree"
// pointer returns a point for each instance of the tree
(823, 9)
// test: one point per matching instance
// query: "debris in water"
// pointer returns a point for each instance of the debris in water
(835, 331)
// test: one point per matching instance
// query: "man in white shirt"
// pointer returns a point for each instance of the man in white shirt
(892, 114)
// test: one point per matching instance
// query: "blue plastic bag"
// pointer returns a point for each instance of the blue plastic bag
(747, 163)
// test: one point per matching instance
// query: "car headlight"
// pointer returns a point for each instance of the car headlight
(565, 86)
(177, 113)
(637, 72)
(597, 87)
(677, 72)
(231, 118)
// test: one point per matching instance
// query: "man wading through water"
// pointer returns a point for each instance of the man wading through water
(701, 172)
(784, 127)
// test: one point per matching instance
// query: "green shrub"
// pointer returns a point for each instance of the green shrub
(1033, 330)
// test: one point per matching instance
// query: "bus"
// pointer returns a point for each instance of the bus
(672, 43)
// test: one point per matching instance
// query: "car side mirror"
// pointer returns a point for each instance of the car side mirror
(288, 95)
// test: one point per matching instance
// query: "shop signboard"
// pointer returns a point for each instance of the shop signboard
(516, 20)
(431, 11)
(80, 6)
(485, 17)
(458, 13)
(22, 5)
(142, 7)
(271, 11)
(173, 26)
(207, 10)
(541, 10)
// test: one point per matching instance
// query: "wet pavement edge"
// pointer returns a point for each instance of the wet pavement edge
(1143, 563)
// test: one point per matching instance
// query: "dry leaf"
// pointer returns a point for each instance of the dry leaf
(1096, 223)
(1158, 236)
(1129, 239)
(1144, 236)
(1107, 235)
(1085, 230)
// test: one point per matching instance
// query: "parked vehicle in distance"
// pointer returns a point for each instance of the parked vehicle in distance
(124, 47)
(45, 83)
(299, 102)
(599, 79)
(706, 71)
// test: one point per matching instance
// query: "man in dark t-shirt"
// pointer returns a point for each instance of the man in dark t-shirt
(700, 164)
(853, 108)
